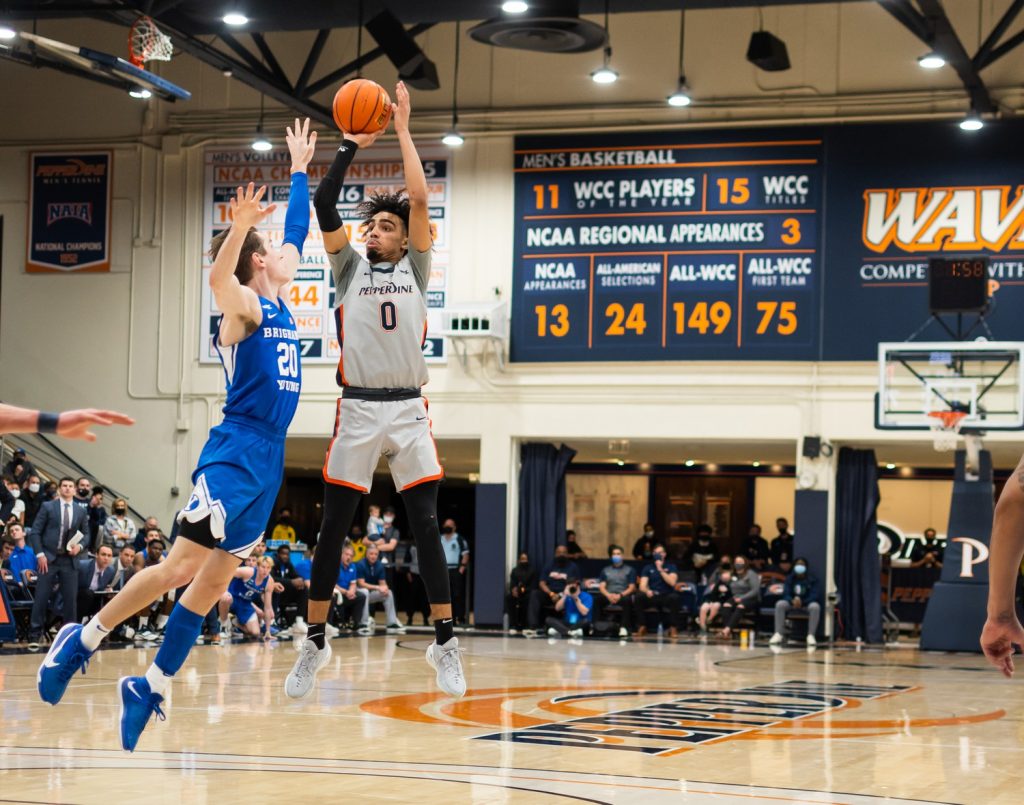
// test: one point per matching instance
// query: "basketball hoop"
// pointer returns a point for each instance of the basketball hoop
(146, 42)
(945, 427)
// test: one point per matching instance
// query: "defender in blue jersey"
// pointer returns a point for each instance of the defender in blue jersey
(240, 469)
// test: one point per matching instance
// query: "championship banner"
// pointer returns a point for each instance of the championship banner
(69, 212)
(311, 295)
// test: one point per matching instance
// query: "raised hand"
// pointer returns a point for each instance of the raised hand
(246, 211)
(401, 108)
(364, 140)
(76, 424)
(301, 144)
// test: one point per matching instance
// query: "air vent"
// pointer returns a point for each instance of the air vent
(553, 26)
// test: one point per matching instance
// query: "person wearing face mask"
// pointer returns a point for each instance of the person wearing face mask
(97, 518)
(83, 491)
(782, 546)
(575, 551)
(658, 589)
(386, 539)
(20, 467)
(644, 545)
(10, 503)
(549, 588)
(284, 528)
(522, 581)
(702, 554)
(50, 491)
(618, 584)
(756, 548)
(119, 529)
(800, 592)
(34, 497)
(746, 592)
(719, 592)
(456, 554)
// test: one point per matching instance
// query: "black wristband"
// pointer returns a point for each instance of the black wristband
(47, 422)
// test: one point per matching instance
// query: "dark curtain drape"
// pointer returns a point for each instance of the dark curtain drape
(857, 567)
(542, 499)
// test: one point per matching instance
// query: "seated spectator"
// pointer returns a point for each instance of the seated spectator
(32, 494)
(124, 567)
(719, 592)
(574, 611)
(549, 588)
(385, 537)
(928, 552)
(284, 528)
(119, 529)
(355, 536)
(618, 585)
(522, 581)
(6, 549)
(159, 610)
(372, 585)
(22, 557)
(251, 581)
(644, 545)
(10, 504)
(746, 592)
(97, 518)
(782, 546)
(347, 601)
(304, 565)
(295, 591)
(573, 547)
(94, 576)
(702, 554)
(260, 550)
(800, 592)
(657, 589)
(19, 467)
(756, 548)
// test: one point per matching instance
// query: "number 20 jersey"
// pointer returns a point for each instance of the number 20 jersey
(381, 315)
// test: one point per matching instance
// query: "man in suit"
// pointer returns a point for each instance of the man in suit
(94, 576)
(56, 524)
(123, 567)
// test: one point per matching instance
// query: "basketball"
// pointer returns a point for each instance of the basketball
(361, 106)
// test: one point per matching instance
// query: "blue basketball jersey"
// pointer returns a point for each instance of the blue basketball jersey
(248, 589)
(263, 371)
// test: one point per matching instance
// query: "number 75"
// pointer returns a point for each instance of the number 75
(786, 317)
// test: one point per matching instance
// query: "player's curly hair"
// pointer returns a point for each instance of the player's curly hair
(395, 203)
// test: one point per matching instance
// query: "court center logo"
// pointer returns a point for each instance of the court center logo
(659, 722)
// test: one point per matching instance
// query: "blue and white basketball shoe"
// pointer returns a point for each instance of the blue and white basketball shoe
(65, 658)
(138, 705)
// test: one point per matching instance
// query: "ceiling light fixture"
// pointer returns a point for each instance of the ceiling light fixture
(755, 464)
(689, 462)
(681, 97)
(7, 33)
(890, 466)
(931, 61)
(140, 92)
(605, 74)
(514, 6)
(452, 138)
(261, 143)
(235, 18)
(972, 122)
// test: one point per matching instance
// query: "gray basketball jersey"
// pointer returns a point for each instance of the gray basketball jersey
(381, 315)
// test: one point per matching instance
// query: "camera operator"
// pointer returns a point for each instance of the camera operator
(574, 606)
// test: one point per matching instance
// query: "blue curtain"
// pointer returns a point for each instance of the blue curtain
(542, 499)
(857, 568)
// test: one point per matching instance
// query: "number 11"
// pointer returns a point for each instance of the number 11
(538, 190)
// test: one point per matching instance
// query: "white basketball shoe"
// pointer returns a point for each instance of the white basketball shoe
(302, 677)
(448, 664)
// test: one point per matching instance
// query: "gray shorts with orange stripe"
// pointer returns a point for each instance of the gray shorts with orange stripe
(365, 430)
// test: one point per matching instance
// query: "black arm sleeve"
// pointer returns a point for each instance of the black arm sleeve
(325, 200)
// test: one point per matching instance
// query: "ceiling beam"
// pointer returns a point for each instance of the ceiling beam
(910, 17)
(269, 58)
(311, 60)
(984, 57)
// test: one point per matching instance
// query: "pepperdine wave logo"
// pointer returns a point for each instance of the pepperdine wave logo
(73, 167)
(945, 219)
(60, 211)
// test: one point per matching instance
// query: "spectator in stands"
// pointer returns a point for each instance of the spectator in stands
(347, 601)
(19, 467)
(260, 549)
(574, 607)
(372, 585)
(801, 591)
(284, 528)
(782, 546)
(11, 505)
(50, 491)
(295, 593)
(94, 576)
(374, 522)
(719, 592)
(456, 552)
(657, 589)
(575, 551)
(83, 491)
(124, 567)
(355, 536)
(549, 588)
(617, 587)
(386, 539)
(52, 536)
(644, 546)
(32, 494)
(702, 554)
(119, 529)
(22, 557)
(416, 600)
(97, 518)
(928, 552)
(756, 548)
(746, 592)
(522, 581)
(6, 549)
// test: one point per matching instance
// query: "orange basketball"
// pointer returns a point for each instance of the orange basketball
(361, 106)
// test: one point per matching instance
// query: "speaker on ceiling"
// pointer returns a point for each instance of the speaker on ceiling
(768, 52)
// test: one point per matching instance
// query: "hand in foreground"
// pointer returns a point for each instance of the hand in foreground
(301, 144)
(75, 424)
(401, 108)
(998, 639)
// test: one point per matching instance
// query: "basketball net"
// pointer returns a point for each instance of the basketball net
(146, 42)
(945, 427)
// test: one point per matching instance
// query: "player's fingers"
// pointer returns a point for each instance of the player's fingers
(260, 193)
(267, 210)
(88, 436)
(305, 127)
(239, 195)
(312, 140)
(288, 131)
(248, 191)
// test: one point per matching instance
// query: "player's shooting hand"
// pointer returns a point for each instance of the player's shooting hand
(401, 108)
(364, 140)
(998, 639)
(301, 144)
(246, 211)
(75, 424)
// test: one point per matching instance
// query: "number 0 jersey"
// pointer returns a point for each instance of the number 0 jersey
(263, 371)
(381, 315)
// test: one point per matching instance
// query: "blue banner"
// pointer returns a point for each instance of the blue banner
(69, 212)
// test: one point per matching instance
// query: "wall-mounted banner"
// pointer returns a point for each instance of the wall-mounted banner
(311, 296)
(69, 212)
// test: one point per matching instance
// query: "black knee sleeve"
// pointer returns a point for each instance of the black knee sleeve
(421, 508)
(340, 504)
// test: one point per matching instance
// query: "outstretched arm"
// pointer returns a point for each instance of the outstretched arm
(70, 424)
(415, 180)
(301, 145)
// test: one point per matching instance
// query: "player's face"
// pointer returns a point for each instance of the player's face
(271, 260)
(386, 238)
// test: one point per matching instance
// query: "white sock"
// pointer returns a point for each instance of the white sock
(225, 624)
(143, 622)
(161, 621)
(93, 633)
(157, 679)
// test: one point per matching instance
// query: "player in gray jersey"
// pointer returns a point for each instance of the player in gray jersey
(381, 317)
